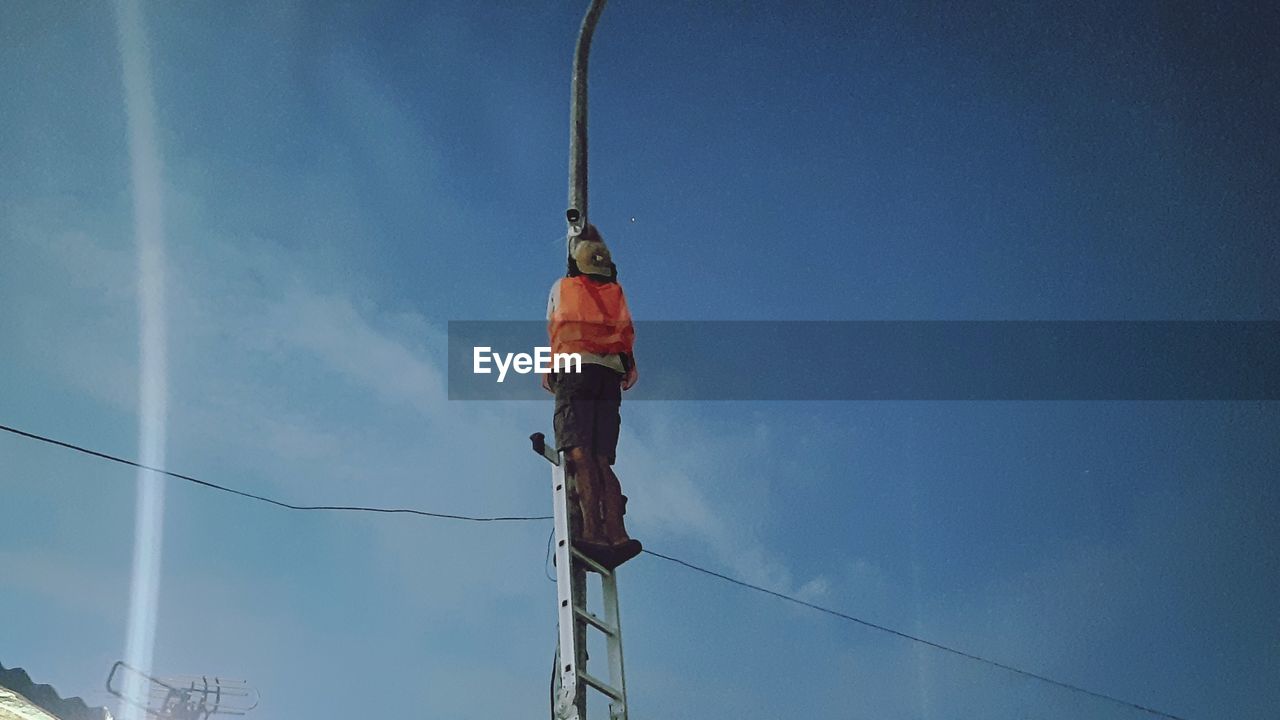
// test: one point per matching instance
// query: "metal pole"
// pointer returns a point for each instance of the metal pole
(577, 212)
(576, 216)
(578, 578)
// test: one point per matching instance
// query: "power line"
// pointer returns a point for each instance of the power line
(915, 639)
(546, 561)
(668, 558)
(261, 498)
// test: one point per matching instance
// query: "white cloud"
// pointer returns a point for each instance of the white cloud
(314, 383)
(330, 331)
(317, 397)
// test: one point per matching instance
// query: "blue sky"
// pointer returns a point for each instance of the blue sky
(343, 179)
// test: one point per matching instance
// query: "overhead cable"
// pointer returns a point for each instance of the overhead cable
(741, 583)
(262, 498)
(915, 639)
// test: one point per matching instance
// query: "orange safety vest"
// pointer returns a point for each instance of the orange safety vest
(591, 317)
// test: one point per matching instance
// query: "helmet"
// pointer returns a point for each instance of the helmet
(590, 254)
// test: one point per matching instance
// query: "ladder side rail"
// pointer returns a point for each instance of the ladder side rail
(579, 583)
(565, 596)
(612, 616)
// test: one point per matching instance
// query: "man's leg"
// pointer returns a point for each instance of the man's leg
(608, 421)
(614, 528)
(590, 492)
(623, 548)
(575, 425)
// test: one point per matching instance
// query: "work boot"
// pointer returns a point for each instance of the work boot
(623, 547)
(602, 553)
(592, 541)
(593, 538)
(624, 551)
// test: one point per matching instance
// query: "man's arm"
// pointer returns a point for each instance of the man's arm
(632, 375)
(552, 300)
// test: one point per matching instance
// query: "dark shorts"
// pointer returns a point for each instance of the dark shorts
(587, 410)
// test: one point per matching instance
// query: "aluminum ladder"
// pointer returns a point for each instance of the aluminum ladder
(573, 617)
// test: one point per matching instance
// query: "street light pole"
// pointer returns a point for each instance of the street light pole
(576, 215)
(577, 212)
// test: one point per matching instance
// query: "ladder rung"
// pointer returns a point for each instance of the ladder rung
(600, 685)
(589, 562)
(591, 617)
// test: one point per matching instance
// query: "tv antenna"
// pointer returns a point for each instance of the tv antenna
(180, 698)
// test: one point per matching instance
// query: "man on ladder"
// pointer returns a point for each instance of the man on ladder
(587, 314)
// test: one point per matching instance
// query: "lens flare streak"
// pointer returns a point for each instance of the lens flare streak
(148, 220)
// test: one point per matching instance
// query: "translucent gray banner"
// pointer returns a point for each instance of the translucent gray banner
(901, 360)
